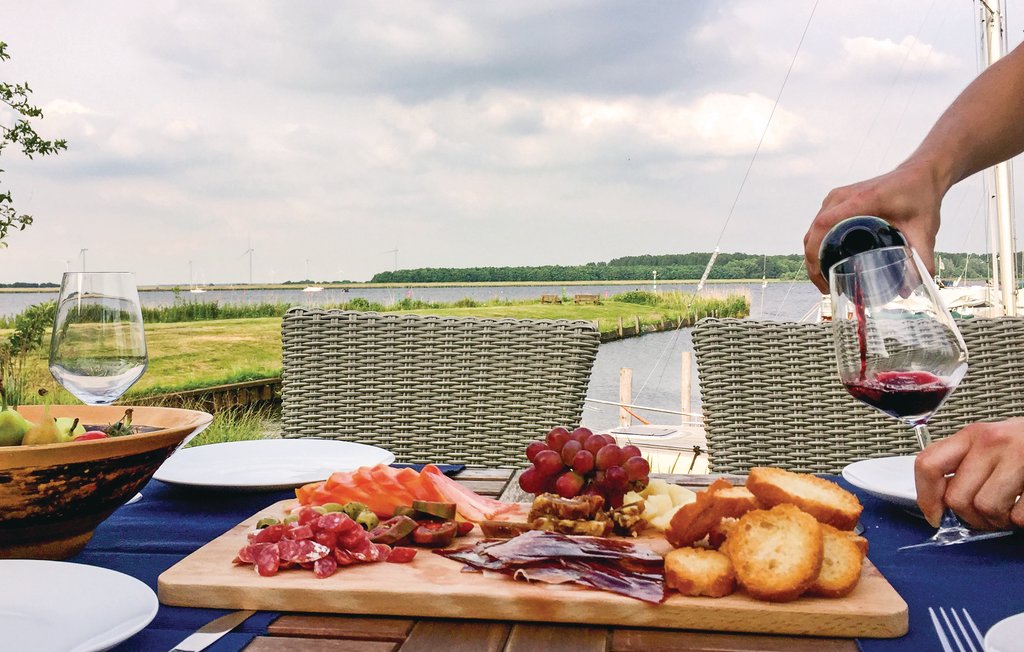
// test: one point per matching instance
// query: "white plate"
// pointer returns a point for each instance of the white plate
(1006, 635)
(267, 463)
(65, 607)
(888, 478)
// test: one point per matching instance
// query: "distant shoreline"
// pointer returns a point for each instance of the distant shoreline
(352, 286)
(297, 287)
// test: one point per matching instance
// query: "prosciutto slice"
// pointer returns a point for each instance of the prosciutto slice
(612, 565)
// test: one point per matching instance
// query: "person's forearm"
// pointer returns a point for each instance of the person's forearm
(983, 126)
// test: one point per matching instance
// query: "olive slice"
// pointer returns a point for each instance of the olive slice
(429, 508)
(435, 534)
(393, 530)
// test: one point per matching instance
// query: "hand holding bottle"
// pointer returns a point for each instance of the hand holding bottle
(909, 198)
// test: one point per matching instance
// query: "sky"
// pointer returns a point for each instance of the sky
(326, 135)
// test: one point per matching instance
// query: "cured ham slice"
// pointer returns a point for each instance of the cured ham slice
(606, 564)
(471, 505)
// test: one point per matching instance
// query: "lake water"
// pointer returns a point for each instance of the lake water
(654, 358)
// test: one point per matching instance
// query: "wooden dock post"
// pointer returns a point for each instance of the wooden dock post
(685, 384)
(625, 395)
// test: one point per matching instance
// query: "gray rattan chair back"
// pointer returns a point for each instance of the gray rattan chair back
(771, 395)
(437, 389)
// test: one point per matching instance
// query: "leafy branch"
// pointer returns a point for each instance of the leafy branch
(23, 134)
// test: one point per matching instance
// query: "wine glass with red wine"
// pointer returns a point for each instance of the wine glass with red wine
(898, 348)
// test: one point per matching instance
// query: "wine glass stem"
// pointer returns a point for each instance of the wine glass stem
(923, 438)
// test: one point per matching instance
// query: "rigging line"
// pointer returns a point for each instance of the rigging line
(888, 92)
(766, 126)
(916, 82)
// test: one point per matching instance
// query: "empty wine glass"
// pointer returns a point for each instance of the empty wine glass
(98, 345)
(899, 349)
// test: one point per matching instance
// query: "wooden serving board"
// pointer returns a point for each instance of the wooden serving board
(434, 587)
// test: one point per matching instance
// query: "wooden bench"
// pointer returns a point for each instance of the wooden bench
(586, 298)
(550, 298)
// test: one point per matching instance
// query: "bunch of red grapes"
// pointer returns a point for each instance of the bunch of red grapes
(583, 463)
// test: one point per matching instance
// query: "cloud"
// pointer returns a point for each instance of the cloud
(868, 55)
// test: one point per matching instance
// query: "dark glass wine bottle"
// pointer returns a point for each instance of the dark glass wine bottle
(855, 235)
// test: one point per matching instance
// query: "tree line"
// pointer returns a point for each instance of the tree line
(680, 267)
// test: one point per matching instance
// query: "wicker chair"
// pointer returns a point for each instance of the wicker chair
(771, 395)
(427, 388)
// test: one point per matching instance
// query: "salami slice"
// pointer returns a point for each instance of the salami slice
(336, 522)
(343, 557)
(327, 538)
(304, 531)
(304, 551)
(355, 540)
(307, 515)
(268, 560)
(325, 567)
(270, 534)
(401, 555)
(248, 554)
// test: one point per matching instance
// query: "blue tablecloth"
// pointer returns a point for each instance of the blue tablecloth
(148, 537)
(986, 578)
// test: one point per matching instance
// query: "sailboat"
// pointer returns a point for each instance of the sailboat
(193, 288)
(999, 297)
(314, 287)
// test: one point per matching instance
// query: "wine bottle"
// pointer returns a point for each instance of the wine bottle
(855, 235)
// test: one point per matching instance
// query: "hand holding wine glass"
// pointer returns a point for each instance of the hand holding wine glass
(98, 345)
(898, 348)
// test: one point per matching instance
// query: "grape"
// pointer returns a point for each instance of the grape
(615, 500)
(594, 443)
(581, 434)
(583, 462)
(615, 479)
(569, 484)
(548, 463)
(531, 481)
(533, 448)
(569, 451)
(599, 481)
(608, 439)
(557, 438)
(629, 450)
(636, 468)
(608, 456)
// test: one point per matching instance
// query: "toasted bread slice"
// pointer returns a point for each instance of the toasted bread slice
(720, 532)
(776, 553)
(840, 567)
(824, 500)
(693, 521)
(697, 571)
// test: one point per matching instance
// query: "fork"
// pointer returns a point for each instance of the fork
(945, 626)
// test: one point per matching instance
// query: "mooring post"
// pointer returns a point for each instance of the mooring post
(685, 384)
(625, 395)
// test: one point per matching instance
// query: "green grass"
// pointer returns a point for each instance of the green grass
(196, 354)
(238, 424)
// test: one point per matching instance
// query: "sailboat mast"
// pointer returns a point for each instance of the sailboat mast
(994, 46)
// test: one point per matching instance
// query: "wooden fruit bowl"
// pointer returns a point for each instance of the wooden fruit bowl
(52, 497)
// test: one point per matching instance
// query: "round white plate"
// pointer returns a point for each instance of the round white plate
(65, 607)
(1006, 635)
(888, 478)
(266, 463)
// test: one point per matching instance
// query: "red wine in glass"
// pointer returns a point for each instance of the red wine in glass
(911, 396)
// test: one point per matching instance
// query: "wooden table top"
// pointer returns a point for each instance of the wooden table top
(340, 633)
